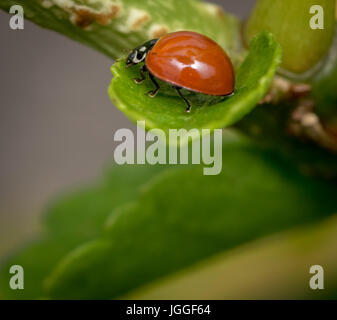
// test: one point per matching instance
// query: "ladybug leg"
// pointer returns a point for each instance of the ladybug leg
(153, 93)
(189, 106)
(142, 75)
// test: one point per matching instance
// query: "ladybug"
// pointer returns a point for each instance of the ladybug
(185, 59)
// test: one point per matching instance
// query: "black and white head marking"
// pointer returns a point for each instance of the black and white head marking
(139, 54)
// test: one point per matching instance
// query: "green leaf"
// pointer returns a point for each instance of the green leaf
(289, 21)
(248, 272)
(183, 217)
(72, 220)
(115, 27)
(167, 110)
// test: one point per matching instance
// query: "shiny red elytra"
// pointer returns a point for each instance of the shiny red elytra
(186, 60)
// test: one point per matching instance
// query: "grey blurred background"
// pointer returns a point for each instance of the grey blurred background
(56, 120)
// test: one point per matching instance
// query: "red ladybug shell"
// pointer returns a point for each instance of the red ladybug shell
(192, 61)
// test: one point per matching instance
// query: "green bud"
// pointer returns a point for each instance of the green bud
(304, 28)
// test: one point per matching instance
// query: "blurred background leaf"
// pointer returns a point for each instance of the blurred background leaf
(268, 124)
(275, 267)
(72, 220)
(183, 217)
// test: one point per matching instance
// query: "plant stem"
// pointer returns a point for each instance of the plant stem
(115, 27)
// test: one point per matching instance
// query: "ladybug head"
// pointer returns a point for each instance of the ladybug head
(139, 54)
